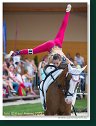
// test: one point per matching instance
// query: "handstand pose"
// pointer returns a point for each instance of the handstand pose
(52, 46)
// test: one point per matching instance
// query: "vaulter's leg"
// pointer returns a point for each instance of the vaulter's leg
(60, 34)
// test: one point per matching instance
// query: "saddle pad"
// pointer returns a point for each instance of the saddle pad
(49, 81)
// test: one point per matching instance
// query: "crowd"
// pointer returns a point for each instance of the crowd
(20, 76)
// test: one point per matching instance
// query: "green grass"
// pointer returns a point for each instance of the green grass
(31, 109)
(25, 109)
(81, 104)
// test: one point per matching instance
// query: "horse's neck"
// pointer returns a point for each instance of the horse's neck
(64, 73)
(62, 77)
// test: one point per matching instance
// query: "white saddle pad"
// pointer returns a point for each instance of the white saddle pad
(48, 82)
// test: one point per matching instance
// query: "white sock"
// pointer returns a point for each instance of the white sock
(68, 8)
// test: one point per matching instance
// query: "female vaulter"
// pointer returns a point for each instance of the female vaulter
(52, 46)
(55, 47)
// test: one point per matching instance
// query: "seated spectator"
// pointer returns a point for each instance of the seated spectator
(26, 80)
(11, 62)
(6, 82)
(7, 61)
(29, 67)
(12, 78)
(17, 79)
(18, 67)
(5, 92)
(32, 70)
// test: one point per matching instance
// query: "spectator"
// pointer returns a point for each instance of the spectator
(11, 61)
(33, 66)
(68, 56)
(41, 71)
(27, 81)
(76, 64)
(79, 59)
(45, 59)
(29, 67)
(6, 82)
(82, 79)
(12, 78)
(5, 72)
(18, 67)
(7, 60)
(16, 59)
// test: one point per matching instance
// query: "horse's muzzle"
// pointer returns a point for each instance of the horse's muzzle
(68, 100)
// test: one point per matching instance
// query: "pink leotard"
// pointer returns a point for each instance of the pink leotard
(47, 46)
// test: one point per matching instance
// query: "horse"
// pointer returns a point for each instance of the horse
(59, 88)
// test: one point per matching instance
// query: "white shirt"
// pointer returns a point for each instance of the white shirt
(16, 59)
(19, 78)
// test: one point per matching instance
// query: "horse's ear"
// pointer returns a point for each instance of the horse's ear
(75, 70)
(83, 68)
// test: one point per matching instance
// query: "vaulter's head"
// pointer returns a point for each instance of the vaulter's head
(56, 60)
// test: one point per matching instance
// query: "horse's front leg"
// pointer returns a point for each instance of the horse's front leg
(48, 113)
(67, 110)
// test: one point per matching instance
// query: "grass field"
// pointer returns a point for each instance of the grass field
(33, 109)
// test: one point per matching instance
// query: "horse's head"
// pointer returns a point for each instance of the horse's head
(69, 83)
(67, 80)
(72, 86)
(73, 83)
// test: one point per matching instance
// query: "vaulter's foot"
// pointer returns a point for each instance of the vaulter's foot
(68, 9)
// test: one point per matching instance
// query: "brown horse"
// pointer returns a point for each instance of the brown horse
(56, 93)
